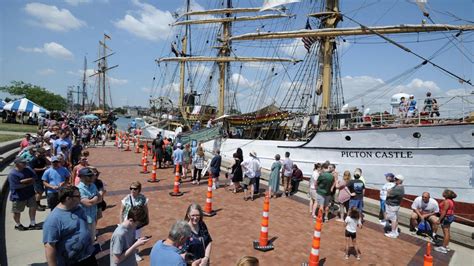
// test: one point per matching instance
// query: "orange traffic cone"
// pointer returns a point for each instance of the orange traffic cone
(262, 244)
(137, 146)
(153, 172)
(128, 144)
(145, 166)
(176, 192)
(314, 256)
(208, 208)
(428, 259)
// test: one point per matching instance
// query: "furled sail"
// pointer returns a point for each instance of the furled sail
(268, 4)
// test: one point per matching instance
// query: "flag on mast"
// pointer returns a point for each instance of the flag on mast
(308, 41)
(107, 36)
(268, 4)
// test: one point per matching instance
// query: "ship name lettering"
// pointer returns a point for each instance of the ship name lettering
(378, 154)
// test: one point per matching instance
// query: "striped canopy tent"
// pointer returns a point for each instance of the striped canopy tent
(26, 106)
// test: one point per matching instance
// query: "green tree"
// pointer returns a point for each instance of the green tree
(120, 110)
(37, 94)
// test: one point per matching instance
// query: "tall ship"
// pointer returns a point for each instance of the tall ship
(298, 105)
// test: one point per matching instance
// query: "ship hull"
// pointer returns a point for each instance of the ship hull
(436, 158)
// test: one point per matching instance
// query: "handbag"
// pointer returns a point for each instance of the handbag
(147, 220)
(246, 181)
(344, 195)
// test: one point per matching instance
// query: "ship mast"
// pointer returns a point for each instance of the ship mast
(182, 64)
(84, 84)
(223, 57)
(102, 69)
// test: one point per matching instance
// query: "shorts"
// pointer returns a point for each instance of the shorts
(215, 175)
(39, 187)
(321, 200)
(447, 221)
(350, 234)
(392, 212)
(359, 204)
(19, 206)
(313, 194)
(432, 218)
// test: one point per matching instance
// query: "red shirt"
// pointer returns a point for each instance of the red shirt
(24, 143)
(450, 210)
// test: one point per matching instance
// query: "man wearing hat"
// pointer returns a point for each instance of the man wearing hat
(383, 195)
(22, 194)
(392, 205)
(258, 172)
(90, 197)
(55, 177)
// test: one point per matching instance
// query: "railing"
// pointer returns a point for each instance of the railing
(8, 152)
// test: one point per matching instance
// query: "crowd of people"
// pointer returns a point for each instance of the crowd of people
(55, 162)
(408, 108)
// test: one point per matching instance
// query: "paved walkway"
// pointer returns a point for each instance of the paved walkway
(233, 229)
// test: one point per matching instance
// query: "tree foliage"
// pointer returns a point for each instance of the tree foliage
(37, 94)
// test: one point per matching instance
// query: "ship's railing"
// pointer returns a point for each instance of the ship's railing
(451, 109)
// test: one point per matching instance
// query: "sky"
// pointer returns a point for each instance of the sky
(45, 42)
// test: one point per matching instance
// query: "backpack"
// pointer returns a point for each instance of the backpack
(424, 228)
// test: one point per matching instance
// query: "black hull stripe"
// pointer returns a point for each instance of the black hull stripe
(374, 148)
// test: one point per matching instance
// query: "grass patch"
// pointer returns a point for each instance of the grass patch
(18, 127)
(4, 138)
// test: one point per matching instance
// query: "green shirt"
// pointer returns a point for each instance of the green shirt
(324, 184)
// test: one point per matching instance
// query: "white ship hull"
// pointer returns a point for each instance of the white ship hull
(431, 158)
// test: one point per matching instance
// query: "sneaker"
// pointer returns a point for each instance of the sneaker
(40, 208)
(20, 228)
(35, 227)
(391, 235)
(346, 257)
(447, 249)
(358, 257)
(137, 257)
(441, 250)
(382, 222)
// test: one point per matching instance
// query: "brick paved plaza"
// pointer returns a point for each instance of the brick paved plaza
(237, 222)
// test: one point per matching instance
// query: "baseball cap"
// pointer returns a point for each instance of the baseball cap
(86, 171)
(253, 153)
(399, 177)
(178, 145)
(389, 175)
(54, 159)
(19, 160)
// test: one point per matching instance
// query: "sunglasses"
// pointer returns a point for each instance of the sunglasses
(133, 188)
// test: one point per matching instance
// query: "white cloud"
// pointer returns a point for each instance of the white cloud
(77, 2)
(118, 82)
(46, 71)
(148, 22)
(418, 88)
(242, 81)
(52, 49)
(80, 72)
(53, 18)
(459, 92)
(294, 49)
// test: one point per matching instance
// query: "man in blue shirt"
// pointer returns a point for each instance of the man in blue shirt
(22, 194)
(55, 177)
(90, 197)
(66, 236)
(166, 252)
(178, 157)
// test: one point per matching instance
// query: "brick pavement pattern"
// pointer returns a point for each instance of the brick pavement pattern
(237, 222)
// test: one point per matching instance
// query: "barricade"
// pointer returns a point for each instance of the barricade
(262, 244)
(208, 208)
(428, 259)
(153, 172)
(145, 166)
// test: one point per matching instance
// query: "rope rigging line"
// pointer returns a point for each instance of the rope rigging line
(411, 52)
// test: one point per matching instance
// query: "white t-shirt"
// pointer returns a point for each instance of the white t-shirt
(314, 178)
(431, 206)
(385, 188)
(351, 224)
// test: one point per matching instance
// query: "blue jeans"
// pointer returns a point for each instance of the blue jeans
(382, 210)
